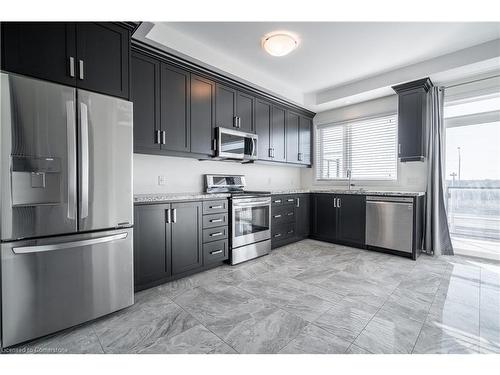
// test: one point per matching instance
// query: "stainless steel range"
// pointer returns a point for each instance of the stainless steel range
(250, 217)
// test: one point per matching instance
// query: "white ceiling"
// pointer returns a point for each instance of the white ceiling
(330, 54)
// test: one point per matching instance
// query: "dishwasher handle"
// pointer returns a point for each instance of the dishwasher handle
(389, 199)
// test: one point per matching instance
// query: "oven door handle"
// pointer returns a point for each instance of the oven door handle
(252, 204)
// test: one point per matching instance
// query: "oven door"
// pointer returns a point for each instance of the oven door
(234, 144)
(251, 220)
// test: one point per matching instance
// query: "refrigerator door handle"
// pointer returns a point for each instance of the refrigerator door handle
(84, 143)
(68, 245)
(71, 142)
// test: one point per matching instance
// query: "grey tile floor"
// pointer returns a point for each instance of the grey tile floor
(308, 297)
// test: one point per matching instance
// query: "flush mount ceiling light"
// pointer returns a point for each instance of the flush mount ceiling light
(279, 43)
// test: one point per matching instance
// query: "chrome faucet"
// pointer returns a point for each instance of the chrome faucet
(349, 175)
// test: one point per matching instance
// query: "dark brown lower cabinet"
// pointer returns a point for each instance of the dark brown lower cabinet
(167, 241)
(339, 218)
(290, 219)
(169, 244)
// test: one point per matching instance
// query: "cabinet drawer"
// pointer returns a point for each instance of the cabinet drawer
(283, 231)
(214, 234)
(215, 252)
(215, 220)
(277, 200)
(284, 214)
(213, 207)
(289, 199)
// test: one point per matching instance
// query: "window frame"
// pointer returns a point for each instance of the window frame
(348, 138)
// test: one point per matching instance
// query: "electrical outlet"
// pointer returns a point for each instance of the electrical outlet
(162, 180)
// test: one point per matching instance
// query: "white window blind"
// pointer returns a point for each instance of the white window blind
(366, 147)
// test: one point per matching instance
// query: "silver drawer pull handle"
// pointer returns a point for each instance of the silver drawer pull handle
(277, 216)
(277, 235)
(216, 207)
(291, 231)
(290, 213)
(216, 220)
(216, 234)
(277, 201)
(289, 200)
(216, 252)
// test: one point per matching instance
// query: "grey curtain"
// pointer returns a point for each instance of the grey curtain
(437, 235)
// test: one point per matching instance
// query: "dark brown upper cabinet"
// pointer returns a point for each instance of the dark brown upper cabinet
(40, 49)
(278, 134)
(245, 111)
(202, 115)
(225, 106)
(145, 93)
(175, 108)
(263, 110)
(292, 137)
(103, 58)
(305, 140)
(412, 110)
(234, 109)
(88, 55)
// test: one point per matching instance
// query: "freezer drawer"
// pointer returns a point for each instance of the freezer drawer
(389, 224)
(54, 283)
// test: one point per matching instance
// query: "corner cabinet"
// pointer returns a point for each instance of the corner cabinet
(89, 55)
(339, 218)
(412, 112)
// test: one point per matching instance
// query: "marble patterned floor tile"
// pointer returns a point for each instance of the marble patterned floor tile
(457, 290)
(457, 319)
(195, 340)
(490, 277)
(246, 323)
(354, 349)
(426, 283)
(314, 340)
(408, 304)
(387, 333)
(489, 299)
(440, 340)
(79, 340)
(347, 319)
(136, 329)
(263, 334)
(489, 329)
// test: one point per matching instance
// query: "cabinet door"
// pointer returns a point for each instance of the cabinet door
(305, 136)
(245, 110)
(174, 98)
(151, 258)
(292, 137)
(225, 106)
(145, 94)
(40, 49)
(324, 217)
(263, 128)
(202, 115)
(303, 215)
(103, 58)
(410, 126)
(186, 236)
(278, 134)
(351, 219)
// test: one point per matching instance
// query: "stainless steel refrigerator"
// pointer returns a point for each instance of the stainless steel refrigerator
(66, 207)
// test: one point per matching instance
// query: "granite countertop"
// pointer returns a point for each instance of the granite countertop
(173, 197)
(354, 191)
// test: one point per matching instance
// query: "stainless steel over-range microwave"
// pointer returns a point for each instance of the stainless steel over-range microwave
(235, 144)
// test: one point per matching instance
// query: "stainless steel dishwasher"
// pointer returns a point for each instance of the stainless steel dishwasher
(389, 222)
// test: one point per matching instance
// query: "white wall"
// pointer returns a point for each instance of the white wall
(411, 175)
(185, 175)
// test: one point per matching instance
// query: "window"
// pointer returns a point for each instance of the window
(366, 147)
